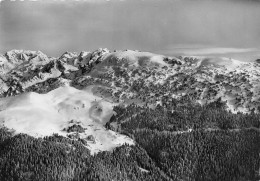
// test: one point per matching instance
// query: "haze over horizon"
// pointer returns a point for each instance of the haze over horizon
(161, 26)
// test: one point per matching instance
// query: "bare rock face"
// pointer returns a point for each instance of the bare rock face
(22, 69)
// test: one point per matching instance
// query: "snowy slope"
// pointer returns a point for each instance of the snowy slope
(44, 114)
(135, 58)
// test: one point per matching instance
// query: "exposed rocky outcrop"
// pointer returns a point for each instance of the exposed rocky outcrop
(134, 75)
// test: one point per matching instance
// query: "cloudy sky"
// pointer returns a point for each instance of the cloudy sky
(161, 26)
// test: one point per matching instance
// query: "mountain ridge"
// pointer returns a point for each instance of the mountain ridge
(25, 71)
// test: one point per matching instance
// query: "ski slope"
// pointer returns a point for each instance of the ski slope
(41, 115)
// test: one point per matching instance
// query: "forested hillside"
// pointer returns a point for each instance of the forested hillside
(192, 142)
(180, 141)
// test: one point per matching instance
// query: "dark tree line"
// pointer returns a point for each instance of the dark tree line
(192, 142)
(23, 157)
(177, 141)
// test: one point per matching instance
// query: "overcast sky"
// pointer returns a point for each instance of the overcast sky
(149, 25)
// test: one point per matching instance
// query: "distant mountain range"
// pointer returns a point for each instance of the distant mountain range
(204, 79)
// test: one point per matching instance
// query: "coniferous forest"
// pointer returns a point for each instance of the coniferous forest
(177, 141)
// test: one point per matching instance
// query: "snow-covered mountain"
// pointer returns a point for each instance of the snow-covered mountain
(73, 95)
(66, 111)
